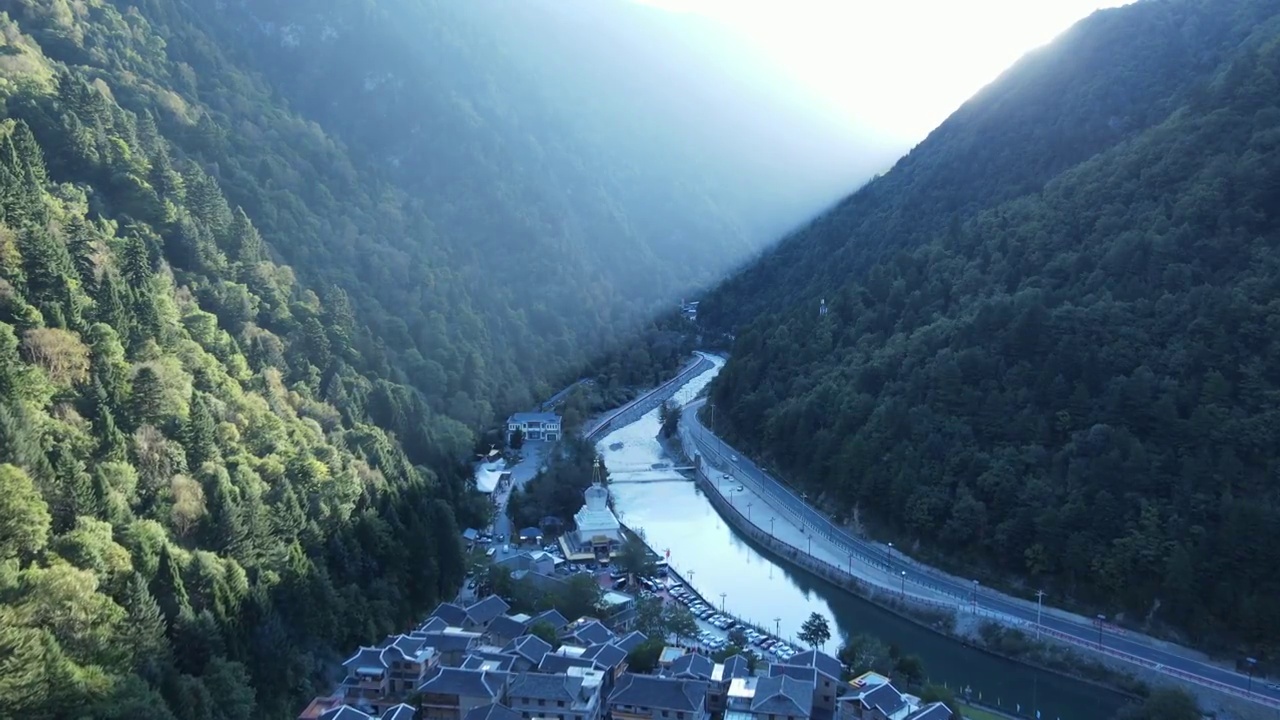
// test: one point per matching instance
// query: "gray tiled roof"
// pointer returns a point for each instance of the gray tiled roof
(471, 683)
(343, 712)
(455, 615)
(782, 695)
(410, 647)
(400, 712)
(823, 662)
(433, 624)
(529, 647)
(631, 640)
(553, 663)
(932, 711)
(664, 693)
(495, 661)
(592, 632)
(482, 611)
(492, 711)
(507, 627)
(366, 657)
(552, 618)
(606, 656)
(886, 697)
(540, 686)
(693, 665)
(736, 666)
(448, 641)
(523, 417)
(807, 673)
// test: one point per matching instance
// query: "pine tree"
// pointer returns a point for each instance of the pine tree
(168, 588)
(28, 151)
(317, 343)
(109, 307)
(207, 205)
(199, 435)
(137, 261)
(244, 243)
(230, 534)
(113, 444)
(48, 270)
(74, 496)
(144, 633)
(164, 179)
(80, 247)
(147, 400)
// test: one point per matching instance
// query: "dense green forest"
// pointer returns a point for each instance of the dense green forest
(240, 372)
(1050, 351)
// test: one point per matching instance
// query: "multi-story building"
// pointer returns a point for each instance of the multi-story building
(575, 695)
(648, 697)
(830, 677)
(534, 426)
(453, 692)
(769, 698)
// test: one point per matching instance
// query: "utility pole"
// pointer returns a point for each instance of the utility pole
(1039, 608)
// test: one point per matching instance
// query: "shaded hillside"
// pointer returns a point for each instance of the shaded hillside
(1077, 385)
(1104, 81)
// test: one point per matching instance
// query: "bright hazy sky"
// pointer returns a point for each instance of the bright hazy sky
(899, 66)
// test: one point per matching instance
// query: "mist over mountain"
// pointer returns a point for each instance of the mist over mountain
(615, 129)
(1039, 349)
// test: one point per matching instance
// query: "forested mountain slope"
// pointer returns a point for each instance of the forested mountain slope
(1075, 382)
(186, 528)
(1108, 78)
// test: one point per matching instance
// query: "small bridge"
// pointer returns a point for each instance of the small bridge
(647, 481)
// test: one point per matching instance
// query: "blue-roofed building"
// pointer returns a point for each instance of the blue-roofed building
(534, 426)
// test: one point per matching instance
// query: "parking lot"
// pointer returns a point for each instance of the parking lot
(716, 627)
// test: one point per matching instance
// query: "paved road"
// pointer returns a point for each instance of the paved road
(635, 409)
(1166, 659)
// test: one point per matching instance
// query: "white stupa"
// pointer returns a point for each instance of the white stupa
(597, 527)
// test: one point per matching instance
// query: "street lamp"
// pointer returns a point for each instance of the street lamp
(850, 563)
(904, 584)
(1101, 619)
(889, 557)
(1251, 662)
(1039, 608)
(722, 602)
(749, 511)
(975, 597)
(811, 545)
(770, 526)
(777, 626)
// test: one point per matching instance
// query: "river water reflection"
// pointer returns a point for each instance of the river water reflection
(674, 515)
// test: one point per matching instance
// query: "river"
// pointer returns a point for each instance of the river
(674, 515)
